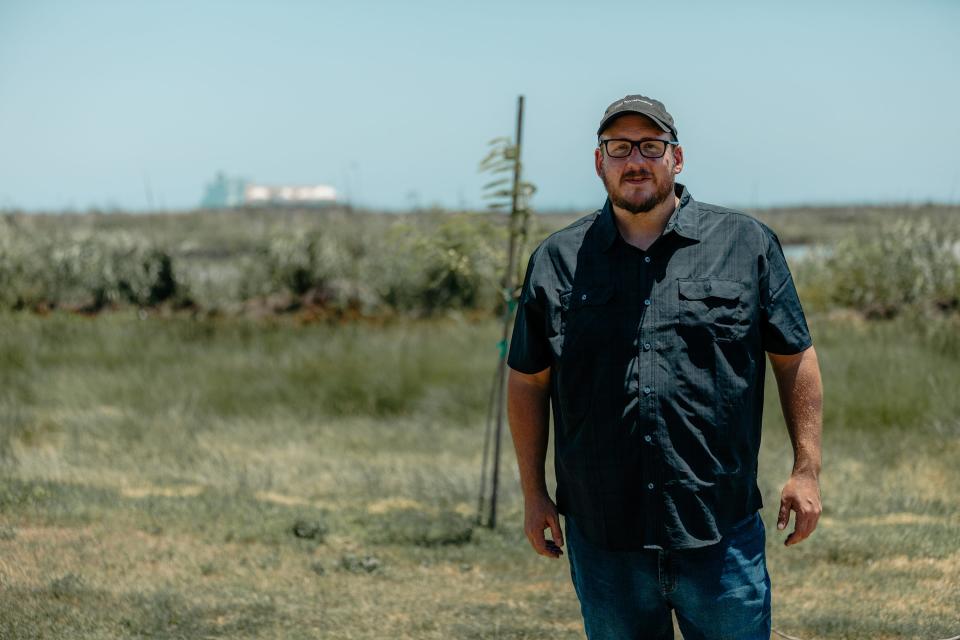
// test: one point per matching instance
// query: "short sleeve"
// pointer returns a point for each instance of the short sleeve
(783, 327)
(529, 349)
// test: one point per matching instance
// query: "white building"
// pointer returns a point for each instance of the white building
(315, 194)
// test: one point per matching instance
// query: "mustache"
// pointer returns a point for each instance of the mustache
(636, 174)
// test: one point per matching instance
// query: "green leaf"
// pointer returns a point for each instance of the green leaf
(496, 183)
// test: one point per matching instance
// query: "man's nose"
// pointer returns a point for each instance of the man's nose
(636, 157)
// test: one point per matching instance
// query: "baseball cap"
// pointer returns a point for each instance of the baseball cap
(643, 105)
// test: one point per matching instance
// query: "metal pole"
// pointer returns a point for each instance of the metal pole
(508, 287)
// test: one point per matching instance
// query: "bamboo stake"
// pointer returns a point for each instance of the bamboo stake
(508, 288)
(486, 447)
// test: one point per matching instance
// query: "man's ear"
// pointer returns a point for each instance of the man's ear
(598, 161)
(678, 159)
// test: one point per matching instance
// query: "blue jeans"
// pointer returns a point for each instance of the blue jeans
(718, 592)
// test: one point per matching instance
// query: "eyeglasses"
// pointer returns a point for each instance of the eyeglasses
(649, 148)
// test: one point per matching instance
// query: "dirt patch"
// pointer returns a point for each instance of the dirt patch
(949, 565)
(888, 519)
(183, 491)
(397, 504)
(280, 498)
(55, 535)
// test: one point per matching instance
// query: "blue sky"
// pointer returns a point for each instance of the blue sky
(393, 103)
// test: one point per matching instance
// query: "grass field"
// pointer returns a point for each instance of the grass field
(178, 478)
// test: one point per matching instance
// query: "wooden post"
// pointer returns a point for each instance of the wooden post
(508, 288)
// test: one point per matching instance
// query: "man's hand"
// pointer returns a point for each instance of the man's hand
(540, 513)
(528, 407)
(802, 495)
(801, 397)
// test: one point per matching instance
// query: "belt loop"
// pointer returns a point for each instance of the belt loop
(666, 571)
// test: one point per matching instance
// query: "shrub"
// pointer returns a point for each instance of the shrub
(84, 270)
(442, 262)
(899, 264)
(304, 261)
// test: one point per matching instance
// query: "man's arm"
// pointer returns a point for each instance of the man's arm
(801, 397)
(528, 410)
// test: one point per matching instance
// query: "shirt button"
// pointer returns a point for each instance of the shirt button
(646, 346)
(647, 302)
(650, 486)
(647, 438)
(646, 259)
(646, 389)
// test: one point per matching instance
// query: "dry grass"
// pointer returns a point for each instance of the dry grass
(131, 507)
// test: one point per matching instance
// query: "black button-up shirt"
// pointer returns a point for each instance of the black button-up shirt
(657, 369)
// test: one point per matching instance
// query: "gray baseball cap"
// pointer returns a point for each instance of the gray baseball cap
(643, 105)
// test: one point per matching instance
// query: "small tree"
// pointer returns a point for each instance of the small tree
(506, 190)
(508, 193)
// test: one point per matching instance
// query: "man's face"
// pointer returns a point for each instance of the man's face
(635, 183)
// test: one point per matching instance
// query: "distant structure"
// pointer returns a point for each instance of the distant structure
(224, 192)
(309, 195)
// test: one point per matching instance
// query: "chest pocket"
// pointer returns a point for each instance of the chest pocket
(584, 314)
(712, 307)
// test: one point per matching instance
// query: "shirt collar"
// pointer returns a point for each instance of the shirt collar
(684, 220)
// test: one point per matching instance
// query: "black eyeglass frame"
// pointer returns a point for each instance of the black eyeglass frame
(635, 143)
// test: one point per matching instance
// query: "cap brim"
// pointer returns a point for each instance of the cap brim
(613, 116)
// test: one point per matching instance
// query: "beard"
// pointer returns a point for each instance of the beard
(661, 191)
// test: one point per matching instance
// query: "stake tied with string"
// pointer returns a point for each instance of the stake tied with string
(506, 192)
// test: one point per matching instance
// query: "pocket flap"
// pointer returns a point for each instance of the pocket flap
(710, 288)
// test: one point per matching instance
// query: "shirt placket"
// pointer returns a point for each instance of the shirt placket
(647, 404)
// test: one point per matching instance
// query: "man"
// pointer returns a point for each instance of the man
(646, 323)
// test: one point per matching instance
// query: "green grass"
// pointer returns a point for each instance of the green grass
(154, 473)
